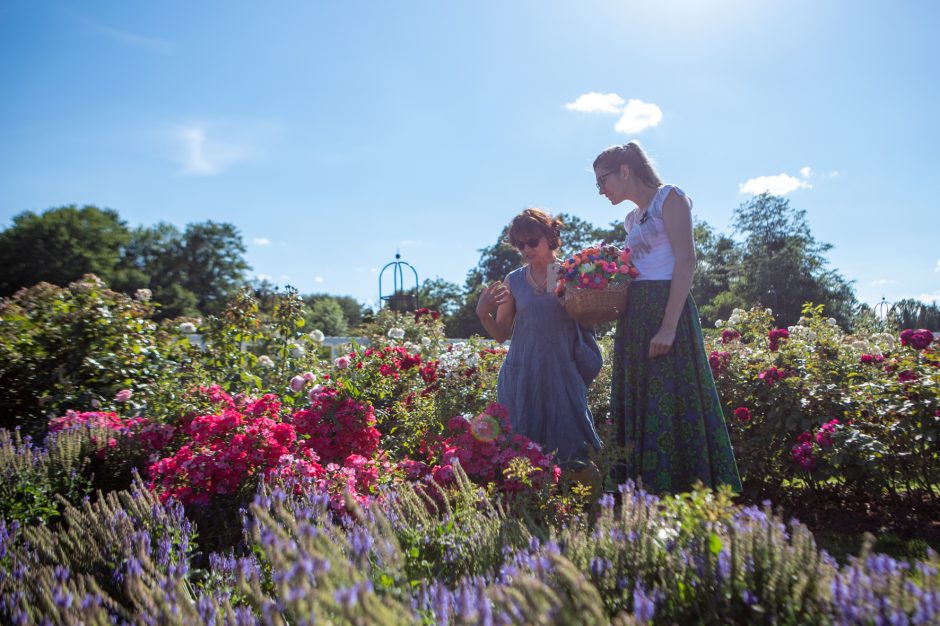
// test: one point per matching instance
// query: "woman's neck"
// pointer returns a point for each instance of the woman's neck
(538, 269)
(643, 196)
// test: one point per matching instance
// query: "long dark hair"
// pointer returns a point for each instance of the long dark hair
(633, 156)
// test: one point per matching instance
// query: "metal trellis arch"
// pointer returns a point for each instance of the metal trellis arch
(399, 299)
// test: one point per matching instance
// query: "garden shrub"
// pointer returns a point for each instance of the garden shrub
(74, 348)
(811, 404)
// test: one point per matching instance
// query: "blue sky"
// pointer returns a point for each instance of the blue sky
(334, 133)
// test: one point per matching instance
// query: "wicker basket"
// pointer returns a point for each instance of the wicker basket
(596, 306)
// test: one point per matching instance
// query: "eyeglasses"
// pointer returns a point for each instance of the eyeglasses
(600, 179)
(531, 243)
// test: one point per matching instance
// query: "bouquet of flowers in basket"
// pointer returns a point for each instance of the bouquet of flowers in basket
(593, 283)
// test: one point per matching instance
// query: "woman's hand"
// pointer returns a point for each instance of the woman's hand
(662, 342)
(494, 295)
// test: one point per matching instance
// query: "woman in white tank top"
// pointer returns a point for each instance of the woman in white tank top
(663, 397)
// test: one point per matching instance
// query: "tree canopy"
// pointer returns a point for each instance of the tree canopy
(60, 245)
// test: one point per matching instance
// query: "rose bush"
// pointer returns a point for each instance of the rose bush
(812, 403)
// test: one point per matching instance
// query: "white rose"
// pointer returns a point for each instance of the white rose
(296, 351)
(425, 341)
(719, 323)
(187, 328)
(396, 333)
(143, 294)
(265, 361)
(317, 335)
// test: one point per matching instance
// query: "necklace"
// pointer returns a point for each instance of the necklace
(539, 288)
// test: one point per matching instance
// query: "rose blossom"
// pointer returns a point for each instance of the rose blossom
(123, 395)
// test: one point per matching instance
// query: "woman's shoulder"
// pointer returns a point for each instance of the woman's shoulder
(663, 196)
(515, 275)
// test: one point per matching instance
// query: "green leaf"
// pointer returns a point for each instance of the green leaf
(714, 543)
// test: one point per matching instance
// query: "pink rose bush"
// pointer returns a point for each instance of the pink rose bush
(918, 339)
(485, 446)
(813, 402)
(329, 446)
(154, 436)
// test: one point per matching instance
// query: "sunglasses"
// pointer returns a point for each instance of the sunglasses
(600, 179)
(531, 243)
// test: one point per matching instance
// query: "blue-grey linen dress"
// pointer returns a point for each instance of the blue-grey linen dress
(543, 381)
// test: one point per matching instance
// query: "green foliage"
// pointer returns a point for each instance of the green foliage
(34, 481)
(879, 401)
(910, 313)
(782, 265)
(121, 555)
(327, 315)
(65, 348)
(59, 246)
(189, 272)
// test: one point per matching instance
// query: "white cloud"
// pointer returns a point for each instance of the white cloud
(883, 281)
(261, 241)
(929, 298)
(805, 171)
(318, 279)
(151, 44)
(638, 116)
(263, 276)
(594, 102)
(202, 157)
(778, 185)
(937, 269)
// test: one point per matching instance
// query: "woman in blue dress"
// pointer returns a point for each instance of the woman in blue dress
(551, 360)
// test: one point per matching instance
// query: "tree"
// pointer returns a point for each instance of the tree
(717, 261)
(213, 265)
(910, 313)
(781, 264)
(326, 315)
(154, 259)
(352, 310)
(189, 272)
(439, 295)
(61, 245)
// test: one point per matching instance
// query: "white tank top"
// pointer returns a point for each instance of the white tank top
(652, 253)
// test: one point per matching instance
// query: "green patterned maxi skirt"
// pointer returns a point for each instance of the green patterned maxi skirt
(667, 409)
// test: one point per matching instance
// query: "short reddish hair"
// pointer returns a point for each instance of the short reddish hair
(534, 222)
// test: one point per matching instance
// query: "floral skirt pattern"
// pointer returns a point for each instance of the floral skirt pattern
(667, 409)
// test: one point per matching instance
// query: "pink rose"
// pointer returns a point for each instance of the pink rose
(123, 395)
(743, 414)
(921, 338)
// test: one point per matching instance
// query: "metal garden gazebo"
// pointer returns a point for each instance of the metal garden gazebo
(399, 299)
